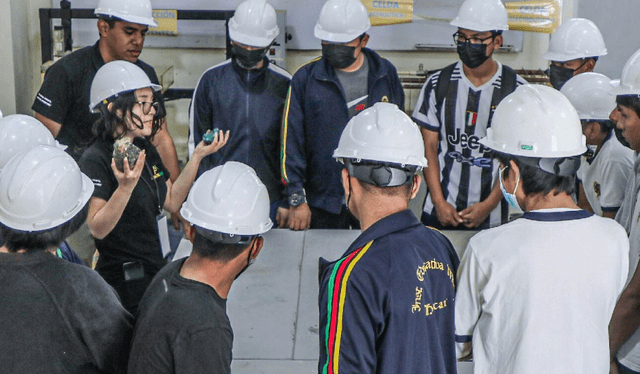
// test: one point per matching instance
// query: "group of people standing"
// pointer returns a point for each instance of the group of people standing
(329, 147)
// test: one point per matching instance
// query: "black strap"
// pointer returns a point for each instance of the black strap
(443, 86)
(509, 81)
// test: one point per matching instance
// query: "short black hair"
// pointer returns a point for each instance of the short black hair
(605, 125)
(535, 180)
(630, 101)
(109, 121)
(109, 20)
(33, 241)
(221, 252)
(403, 190)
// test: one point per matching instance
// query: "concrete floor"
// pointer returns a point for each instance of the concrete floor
(273, 306)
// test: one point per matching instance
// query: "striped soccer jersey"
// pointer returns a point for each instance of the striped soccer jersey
(467, 172)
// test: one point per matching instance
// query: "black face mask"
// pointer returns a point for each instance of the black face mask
(246, 58)
(559, 75)
(339, 56)
(472, 55)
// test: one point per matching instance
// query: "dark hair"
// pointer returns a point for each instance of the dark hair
(630, 101)
(605, 125)
(404, 190)
(535, 180)
(33, 241)
(109, 20)
(203, 247)
(110, 123)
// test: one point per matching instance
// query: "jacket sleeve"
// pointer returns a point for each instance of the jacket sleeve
(396, 87)
(351, 306)
(200, 118)
(293, 161)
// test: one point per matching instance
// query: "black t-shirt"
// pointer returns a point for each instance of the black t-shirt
(182, 327)
(59, 317)
(135, 236)
(65, 96)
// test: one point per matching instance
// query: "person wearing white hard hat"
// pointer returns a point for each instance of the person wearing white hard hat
(607, 165)
(454, 110)
(535, 295)
(387, 304)
(183, 325)
(126, 211)
(62, 103)
(19, 133)
(57, 317)
(623, 330)
(246, 95)
(574, 48)
(325, 93)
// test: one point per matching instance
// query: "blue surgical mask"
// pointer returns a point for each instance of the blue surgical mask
(510, 197)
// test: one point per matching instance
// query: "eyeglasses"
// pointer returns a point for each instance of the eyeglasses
(475, 42)
(147, 105)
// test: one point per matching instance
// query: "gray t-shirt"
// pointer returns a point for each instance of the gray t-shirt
(355, 85)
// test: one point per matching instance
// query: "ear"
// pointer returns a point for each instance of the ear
(190, 233)
(497, 42)
(345, 181)
(589, 130)
(103, 27)
(364, 41)
(415, 187)
(590, 65)
(256, 247)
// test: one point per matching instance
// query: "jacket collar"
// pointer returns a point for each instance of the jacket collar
(96, 57)
(389, 224)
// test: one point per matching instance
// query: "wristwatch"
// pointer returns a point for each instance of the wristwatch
(297, 198)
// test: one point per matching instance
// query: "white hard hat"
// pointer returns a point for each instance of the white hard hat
(574, 39)
(134, 11)
(630, 79)
(481, 16)
(382, 133)
(591, 94)
(341, 21)
(229, 199)
(42, 188)
(117, 77)
(254, 24)
(19, 133)
(536, 121)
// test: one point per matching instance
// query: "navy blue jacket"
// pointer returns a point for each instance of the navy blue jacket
(315, 114)
(387, 306)
(250, 104)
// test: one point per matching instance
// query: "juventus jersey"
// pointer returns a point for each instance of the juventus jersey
(467, 172)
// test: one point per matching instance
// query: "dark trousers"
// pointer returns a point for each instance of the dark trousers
(321, 219)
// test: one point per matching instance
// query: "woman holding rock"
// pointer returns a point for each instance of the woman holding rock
(132, 185)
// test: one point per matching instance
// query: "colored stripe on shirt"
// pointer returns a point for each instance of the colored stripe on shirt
(337, 290)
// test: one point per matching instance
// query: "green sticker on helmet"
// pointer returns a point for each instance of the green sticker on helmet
(526, 147)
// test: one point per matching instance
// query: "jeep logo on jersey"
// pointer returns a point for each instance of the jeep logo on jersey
(472, 117)
(466, 141)
(481, 162)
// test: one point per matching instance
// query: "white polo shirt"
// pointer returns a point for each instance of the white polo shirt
(604, 176)
(536, 295)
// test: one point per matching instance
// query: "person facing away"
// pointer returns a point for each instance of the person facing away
(387, 304)
(324, 94)
(57, 317)
(183, 325)
(535, 295)
(246, 95)
(454, 110)
(574, 49)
